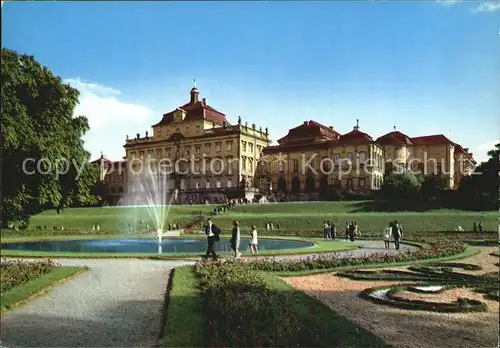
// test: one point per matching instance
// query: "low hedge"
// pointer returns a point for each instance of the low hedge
(243, 309)
(438, 248)
(13, 273)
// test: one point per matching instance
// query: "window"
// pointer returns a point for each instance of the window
(362, 157)
(250, 145)
(439, 169)
(349, 183)
(421, 167)
(188, 150)
(349, 157)
(197, 166)
(197, 149)
(217, 183)
(150, 155)
(141, 155)
(197, 184)
(280, 166)
(336, 159)
(229, 145)
(243, 163)
(250, 164)
(229, 183)
(158, 153)
(133, 155)
(207, 184)
(217, 147)
(243, 146)
(207, 148)
(177, 153)
(198, 129)
(325, 164)
(259, 148)
(361, 182)
(295, 165)
(183, 184)
(217, 165)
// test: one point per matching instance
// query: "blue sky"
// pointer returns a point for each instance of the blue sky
(426, 67)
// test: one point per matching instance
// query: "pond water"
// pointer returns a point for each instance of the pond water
(147, 245)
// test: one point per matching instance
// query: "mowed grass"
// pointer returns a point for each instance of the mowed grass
(185, 320)
(293, 217)
(113, 219)
(309, 216)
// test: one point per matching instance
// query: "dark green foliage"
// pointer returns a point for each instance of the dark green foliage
(38, 123)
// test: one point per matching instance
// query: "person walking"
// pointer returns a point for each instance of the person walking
(396, 234)
(212, 233)
(386, 234)
(325, 230)
(333, 230)
(254, 241)
(352, 231)
(235, 239)
(346, 231)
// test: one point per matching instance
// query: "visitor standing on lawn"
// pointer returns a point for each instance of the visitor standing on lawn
(346, 231)
(387, 236)
(254, 241)
(235, 239)
(212, 233)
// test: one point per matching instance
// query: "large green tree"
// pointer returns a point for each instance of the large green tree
(44, 164)
(481, 190)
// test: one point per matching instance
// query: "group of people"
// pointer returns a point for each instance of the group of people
(213, 236)
(393, 232)
(351, 231)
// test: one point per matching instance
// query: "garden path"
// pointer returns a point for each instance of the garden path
(117, 303)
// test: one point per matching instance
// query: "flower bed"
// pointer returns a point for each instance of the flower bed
(14, 273)
(438, 248)
(242, 310)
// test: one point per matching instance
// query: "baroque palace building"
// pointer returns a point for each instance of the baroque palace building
(312, 158)
(204, 156)
(207, 158)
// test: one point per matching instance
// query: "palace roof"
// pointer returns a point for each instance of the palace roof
(307, 130)
(394, 138)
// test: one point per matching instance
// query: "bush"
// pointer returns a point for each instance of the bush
(242, 311)
(14, 273)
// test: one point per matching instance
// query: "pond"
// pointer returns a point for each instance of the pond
(147, 245)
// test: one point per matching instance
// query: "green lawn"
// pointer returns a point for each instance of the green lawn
(292, 217)
(26, 290)
(185, 321)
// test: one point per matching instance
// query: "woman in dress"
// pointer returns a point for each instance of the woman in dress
(387, 236)
(235, 239)
(253, 241)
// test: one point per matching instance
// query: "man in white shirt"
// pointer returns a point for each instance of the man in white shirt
(212, 233)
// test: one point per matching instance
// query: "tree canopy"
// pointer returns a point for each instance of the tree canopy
(44, 163)
(481, 190)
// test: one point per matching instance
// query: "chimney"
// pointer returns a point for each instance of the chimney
(331, 127)
(306, 123)
(194, 95)
(204, 101)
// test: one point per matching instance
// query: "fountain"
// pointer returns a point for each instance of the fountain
(150, 190)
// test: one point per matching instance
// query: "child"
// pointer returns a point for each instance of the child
(387, 236)
(253, 241)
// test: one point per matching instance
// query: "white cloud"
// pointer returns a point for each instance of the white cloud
(488, 6)
(480, 152)
(449, 2)
(110, 118)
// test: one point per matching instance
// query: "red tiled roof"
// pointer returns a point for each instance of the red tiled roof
(196, 111)
(355, 137)
(394, 138)
(309, 129)
(437, 139)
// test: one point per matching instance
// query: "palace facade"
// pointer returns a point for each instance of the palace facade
(204, 157)
(313, 157)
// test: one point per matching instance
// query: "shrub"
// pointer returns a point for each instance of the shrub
(242, 311)
(17, 272)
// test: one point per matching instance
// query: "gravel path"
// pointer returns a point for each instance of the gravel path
(117, 303)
